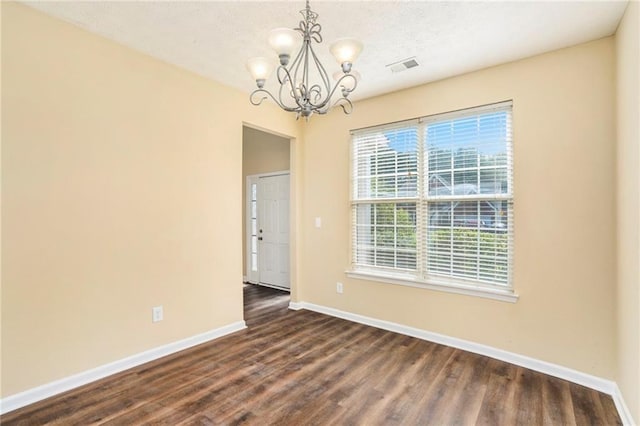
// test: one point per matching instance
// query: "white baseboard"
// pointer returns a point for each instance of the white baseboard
(39, 393)
(623, 410)
(602, 385)
(296, 306)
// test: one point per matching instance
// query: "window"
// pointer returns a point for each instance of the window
(432, 199)
(254, 227)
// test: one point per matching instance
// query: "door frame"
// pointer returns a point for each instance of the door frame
(254, 276)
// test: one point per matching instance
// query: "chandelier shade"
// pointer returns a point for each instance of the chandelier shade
(283, 40)
(346, 50)
(260, 68)
(305, 86)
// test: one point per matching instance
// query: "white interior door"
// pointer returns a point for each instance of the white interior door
(273, 230)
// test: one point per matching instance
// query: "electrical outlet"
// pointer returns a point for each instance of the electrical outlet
(339, 287)
(157, 314)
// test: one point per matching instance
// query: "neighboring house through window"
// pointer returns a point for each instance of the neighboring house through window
(432, 201)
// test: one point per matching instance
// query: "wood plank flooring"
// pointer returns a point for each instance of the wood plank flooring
(305, 368)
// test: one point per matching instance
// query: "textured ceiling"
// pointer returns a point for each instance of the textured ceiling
(216, 38)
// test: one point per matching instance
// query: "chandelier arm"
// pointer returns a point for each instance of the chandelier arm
(355, 83)
(289, 96)
(283, 74)
(265, 92)
(345, 104)
(296, 62)
(294, 67)
(323, 72)
(325, 80)
(345, 90)
(316, 92)
(305, 69)
(283, 77)
(301, 91)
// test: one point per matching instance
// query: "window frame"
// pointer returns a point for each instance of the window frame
(422, 277)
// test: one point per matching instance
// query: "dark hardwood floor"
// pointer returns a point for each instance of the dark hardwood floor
(305, 368)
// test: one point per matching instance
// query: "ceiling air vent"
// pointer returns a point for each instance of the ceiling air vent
(403, 65)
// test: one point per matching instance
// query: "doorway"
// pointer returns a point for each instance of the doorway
(266, 209)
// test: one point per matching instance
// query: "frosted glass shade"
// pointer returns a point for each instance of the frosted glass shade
(260, 68)
(283, 40)
(346, 50)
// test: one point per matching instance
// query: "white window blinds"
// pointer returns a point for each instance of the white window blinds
(432, 198)
(385, 196)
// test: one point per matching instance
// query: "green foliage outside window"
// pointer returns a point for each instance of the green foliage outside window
(465, 244)
(403, 232)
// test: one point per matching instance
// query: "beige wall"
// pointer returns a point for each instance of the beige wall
(564, 270)
(261, 153)
(628, 135)
(0, 208)
(115, 169)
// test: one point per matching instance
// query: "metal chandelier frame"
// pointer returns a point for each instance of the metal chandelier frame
(297, 93)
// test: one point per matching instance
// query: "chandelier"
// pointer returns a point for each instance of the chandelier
(305, 87)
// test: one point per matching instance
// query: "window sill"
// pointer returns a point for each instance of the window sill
(468, 290)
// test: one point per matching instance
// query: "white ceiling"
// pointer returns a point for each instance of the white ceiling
(215, 38)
